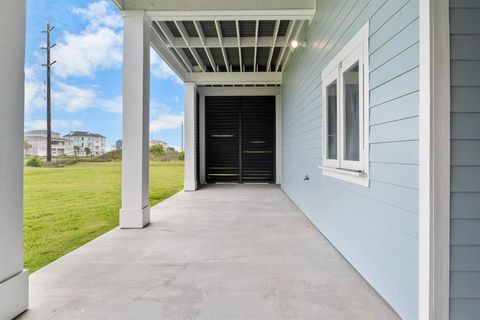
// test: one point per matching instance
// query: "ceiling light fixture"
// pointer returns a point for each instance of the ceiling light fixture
(295, 44)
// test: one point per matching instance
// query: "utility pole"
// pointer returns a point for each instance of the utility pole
(48, 65)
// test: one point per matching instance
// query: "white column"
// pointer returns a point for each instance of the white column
(190, 182)
(13, 279)
(135, 212)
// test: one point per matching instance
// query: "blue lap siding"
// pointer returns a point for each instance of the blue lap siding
(465, 160)
(375, 227)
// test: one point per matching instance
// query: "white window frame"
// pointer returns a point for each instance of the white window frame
(356, 50)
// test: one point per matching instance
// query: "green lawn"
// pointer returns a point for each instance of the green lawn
(67, 207)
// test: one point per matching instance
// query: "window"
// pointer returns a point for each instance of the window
(345, 112)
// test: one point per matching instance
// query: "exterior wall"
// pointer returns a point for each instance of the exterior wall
(375, 227)
(465, 160)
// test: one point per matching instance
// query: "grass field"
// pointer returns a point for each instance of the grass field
(67, 207)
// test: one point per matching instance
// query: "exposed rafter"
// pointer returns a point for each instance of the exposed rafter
(257, 23)
(201, 35)
(237, 25)
(297, 34)
(170, 38)
(220, 38)
(272, 48)
(186, 38)
(291, 26)
(159, 46)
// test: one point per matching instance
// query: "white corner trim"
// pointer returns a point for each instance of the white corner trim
(434, 161)
(14, 295)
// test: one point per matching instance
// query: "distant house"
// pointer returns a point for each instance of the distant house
(37, 139)
(84, 139)
(158, 142)
(118, 144)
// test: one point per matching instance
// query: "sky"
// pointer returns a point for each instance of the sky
(87, 78)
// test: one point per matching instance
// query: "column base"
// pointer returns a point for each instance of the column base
(190, 185)
(14, 295)
(134, 218)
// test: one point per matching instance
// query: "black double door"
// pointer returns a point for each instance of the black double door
(240, 139)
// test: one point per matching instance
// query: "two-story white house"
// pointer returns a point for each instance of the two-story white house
(84, 139)
(37, 141)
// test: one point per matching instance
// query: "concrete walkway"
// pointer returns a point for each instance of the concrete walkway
(224, 252)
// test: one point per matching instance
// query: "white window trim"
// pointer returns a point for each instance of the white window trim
(341, 169)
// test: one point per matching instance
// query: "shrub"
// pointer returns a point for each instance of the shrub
(35, 162)
(157, 151)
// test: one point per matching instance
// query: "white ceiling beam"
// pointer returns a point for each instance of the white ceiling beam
(219, 5)
(291, 26)
(272, 48)
(256, 46)
(201, 35)
(297, 34)
(220, 39)
(228, 42)
(159, 46)
(237, 25)
(239, 78)
(170, 38)
(183, 32)
(119, 3)
(216, 15)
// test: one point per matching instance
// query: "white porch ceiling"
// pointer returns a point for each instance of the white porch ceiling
(237, 43)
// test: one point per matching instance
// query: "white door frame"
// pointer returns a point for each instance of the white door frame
(242, 91)
(434, 161)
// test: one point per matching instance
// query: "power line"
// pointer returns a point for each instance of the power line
(48, 65)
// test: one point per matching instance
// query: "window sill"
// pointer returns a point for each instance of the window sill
(356, 177)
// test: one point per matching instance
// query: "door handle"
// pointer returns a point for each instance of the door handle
(222, 136)
(258, 142)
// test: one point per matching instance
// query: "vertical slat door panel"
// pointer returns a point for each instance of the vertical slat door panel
(240, 139)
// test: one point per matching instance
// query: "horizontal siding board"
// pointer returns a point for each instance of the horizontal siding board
(465, 47)
(385, 13)
(465, 258)
(405, 152)
(465, 20)
(465, 232)
(461, 309)
(465, 285)
(401, 130)
(399, 21)
(465, 206)
(465, 179)
(399, 174)
(400, 86)
(465, 73)
(464, 4)
(465, 99)
(404, 62)
(375, 228)
(400, 108)
(465, 153)
(399, 43)
(465, 126)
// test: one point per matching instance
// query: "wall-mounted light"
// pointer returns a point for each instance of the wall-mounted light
(295, 44)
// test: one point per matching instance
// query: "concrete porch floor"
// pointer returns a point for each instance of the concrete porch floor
(224, 252)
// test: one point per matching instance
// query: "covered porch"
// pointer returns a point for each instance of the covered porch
(223, 252)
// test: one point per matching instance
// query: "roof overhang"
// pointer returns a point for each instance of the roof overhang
(236, 43)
